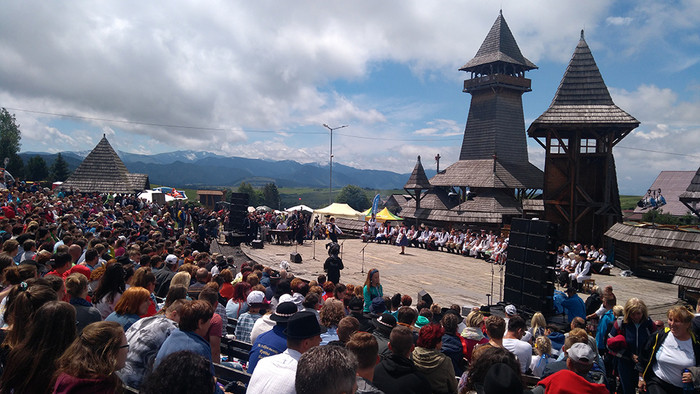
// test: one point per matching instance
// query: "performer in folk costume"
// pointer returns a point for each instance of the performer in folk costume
(333, 230)
(402, 238)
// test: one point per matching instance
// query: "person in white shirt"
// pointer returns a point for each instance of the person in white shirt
(513, 343)
(277, 374)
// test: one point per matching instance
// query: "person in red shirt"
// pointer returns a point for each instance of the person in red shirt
(572, 380)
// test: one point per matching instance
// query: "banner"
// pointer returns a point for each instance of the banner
(375, 204)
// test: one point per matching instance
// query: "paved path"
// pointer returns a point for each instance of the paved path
(449, 278)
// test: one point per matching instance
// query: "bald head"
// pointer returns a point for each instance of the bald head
(75, 251)
(202, 275)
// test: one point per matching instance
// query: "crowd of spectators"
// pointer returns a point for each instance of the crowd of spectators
(109, 292)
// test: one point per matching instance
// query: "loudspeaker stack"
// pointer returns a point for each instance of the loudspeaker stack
(529, 279)
(238, 211)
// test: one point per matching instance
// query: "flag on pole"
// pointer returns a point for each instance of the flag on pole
(375, 204)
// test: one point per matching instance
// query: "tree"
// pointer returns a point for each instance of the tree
(59, 169)
(271, 196)
(353, 196)
(36, 169)
(255, 197)
(10, 137)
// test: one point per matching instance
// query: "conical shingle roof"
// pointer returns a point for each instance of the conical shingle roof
(418, 179)
(692, 193)
(103, 171)
(582, 96)
(499, 46)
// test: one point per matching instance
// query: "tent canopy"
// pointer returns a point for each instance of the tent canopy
(381, 216)
(338, 210)
(301, 207)
(148, 196)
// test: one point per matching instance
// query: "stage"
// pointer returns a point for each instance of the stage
(449, 278)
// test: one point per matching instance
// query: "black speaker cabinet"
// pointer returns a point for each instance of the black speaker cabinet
(257, 244)
(423, 295)
(295, 258)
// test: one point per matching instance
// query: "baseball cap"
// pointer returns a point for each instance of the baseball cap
(511, 310)
(581, 353)
(256, 297)
(171, 259)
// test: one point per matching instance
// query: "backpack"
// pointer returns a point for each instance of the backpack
(617, 343)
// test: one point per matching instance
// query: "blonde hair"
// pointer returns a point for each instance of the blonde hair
(635, 305)
(474, 319)
(618, 310)
(181, 278)
(538, 321)
(543, 345)
(680, 313)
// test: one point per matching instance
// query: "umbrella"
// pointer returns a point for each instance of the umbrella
(263, 208)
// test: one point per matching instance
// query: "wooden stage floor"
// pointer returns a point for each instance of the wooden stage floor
(449, 278)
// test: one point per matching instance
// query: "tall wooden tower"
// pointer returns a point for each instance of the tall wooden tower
(578, 132)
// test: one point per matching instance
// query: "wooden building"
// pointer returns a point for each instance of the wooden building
(578, 132)
(104, 172)
(691, 197)
(655, 251)
(493, 174)
(209, 198)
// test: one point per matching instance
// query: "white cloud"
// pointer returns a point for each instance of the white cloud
(619, 20)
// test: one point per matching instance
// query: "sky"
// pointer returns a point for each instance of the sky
(260, 78)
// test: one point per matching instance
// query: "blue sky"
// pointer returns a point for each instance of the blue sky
(258, 79)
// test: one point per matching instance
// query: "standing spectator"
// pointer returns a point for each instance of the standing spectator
(77, 288)
(276, 374)
(372, 289)
(636, 328)
(433, 365)
(512, 341)
(89, 364)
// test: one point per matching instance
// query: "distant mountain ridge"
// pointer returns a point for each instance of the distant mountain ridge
(195, 169)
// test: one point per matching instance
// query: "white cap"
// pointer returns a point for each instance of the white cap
(510, 310)
(256, 297)
(171, 259)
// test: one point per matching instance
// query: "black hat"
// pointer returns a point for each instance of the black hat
(303, 325)
(284, 311)
(378, 306)
(386, 322)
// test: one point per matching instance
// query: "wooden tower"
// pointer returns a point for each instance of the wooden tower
(578, 132)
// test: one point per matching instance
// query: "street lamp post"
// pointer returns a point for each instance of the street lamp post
(330, 182)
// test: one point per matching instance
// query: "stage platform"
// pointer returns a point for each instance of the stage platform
(449, 278)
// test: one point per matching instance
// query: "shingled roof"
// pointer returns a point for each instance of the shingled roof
(583, 97)
(103, 171)
(693, 191)
(498, 46)
(418, 179)
(486, 173)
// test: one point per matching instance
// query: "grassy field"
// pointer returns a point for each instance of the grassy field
(629, 202)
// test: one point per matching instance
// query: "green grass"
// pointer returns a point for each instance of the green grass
(629, 202)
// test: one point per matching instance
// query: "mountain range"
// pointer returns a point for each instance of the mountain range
(196, 169)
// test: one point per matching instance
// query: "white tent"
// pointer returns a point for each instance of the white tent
(338, 210)
(299, 207)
